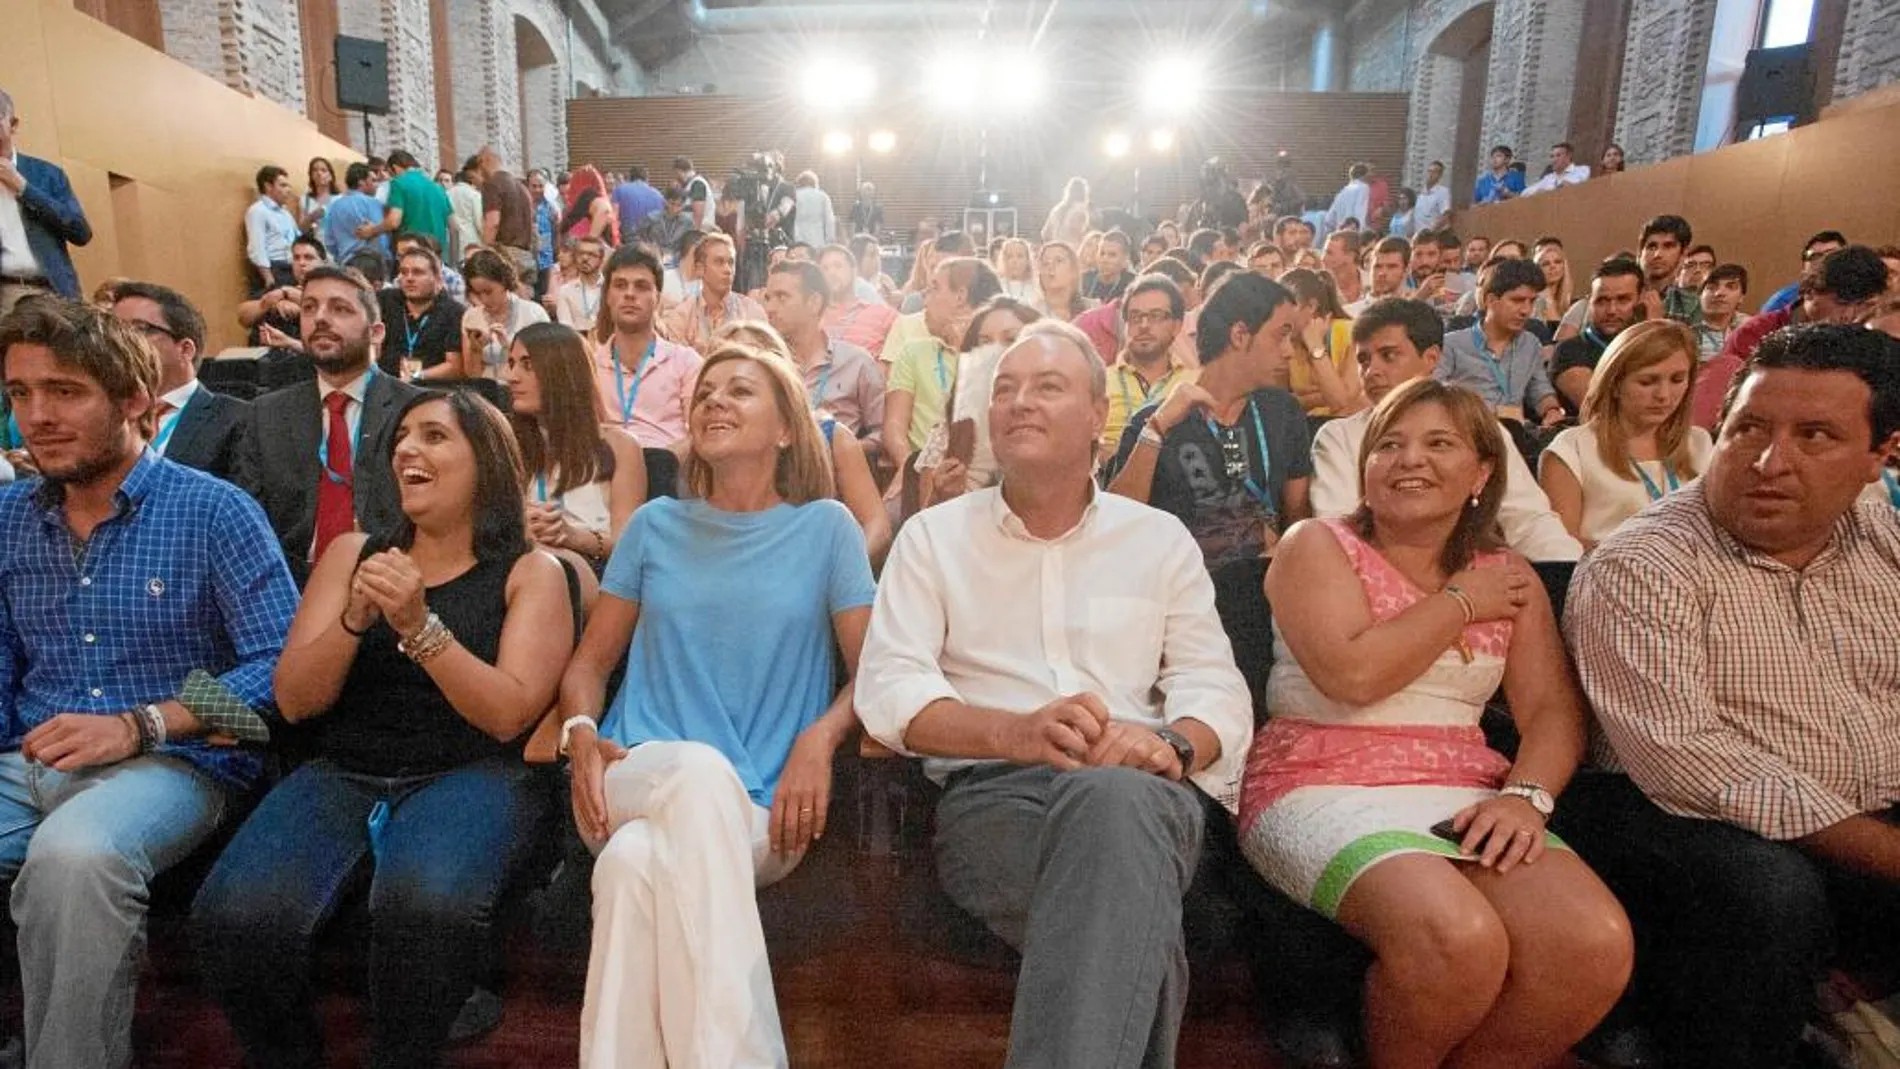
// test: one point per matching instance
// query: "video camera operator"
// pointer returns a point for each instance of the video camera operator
(767, 204)
(1221, 205)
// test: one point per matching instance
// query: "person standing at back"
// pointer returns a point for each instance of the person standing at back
(39, 217)
(414, 205)
(507, 215)
(813, 220)
(636, 199)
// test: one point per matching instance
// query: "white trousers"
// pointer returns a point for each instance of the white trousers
(677, 977)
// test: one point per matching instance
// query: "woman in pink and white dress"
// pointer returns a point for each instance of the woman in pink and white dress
(1393, 627)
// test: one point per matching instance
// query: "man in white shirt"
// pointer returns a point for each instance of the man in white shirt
(1354, 202)
(1562, 171)
(578, 303)
(193, 426)
(1398, 341)
(1434, 201)
(269, 228)
(1082, 714)
(814, 222)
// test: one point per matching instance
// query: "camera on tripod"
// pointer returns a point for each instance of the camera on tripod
(751, 184)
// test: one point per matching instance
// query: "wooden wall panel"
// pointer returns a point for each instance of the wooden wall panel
(1755, 202)
(937, 166)
(137, 19)
(147, 139)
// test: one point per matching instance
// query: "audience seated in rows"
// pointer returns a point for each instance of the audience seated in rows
(192, 425)
(496, 313)
(843, 381)
(422, 340)
(1498, 359)
(691, 323)
(1617, 289)
(921, 372)
(957, 457)
(643, 380)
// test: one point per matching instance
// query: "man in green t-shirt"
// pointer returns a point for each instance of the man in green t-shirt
(415, 204)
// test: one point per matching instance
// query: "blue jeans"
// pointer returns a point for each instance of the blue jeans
(445, 855)
(81, 849)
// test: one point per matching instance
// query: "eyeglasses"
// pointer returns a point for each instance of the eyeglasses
(151, 330)
(1137, 319)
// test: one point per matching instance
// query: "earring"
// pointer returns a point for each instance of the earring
(1474, 498)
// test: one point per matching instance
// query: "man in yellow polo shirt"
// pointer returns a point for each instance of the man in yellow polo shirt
(921, 375)
(1145, 370)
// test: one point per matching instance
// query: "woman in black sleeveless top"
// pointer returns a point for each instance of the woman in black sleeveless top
(421, 658)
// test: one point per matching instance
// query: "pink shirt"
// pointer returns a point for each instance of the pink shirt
(648, 400)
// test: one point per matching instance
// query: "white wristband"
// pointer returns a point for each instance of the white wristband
(567, 730)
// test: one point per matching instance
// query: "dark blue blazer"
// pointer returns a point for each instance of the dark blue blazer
(54, 220)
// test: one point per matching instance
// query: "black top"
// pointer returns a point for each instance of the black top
(1225, 514)
(1582, 351)
(435, 334)
(390, 718)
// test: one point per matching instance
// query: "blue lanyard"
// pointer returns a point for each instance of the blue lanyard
(587, 310)
(727, 314)
(413, 334)
(620, 381)
(164, 436)
(1893, 486)
(1147, 394)
(356, 439)
(1258, 492)
(1498, 372)
(824, 379)
(1596, 338)
(943, 373)
(541, 491)
(1669, 476)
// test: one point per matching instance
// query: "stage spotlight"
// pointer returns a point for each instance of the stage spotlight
(1016, 81)
(881, 141)
(953, 81)
(1161, 140)
(1173, 86)
(830, 84)
(837, 143)
(1116, 145)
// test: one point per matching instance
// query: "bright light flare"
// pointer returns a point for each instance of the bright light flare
(1173, 86)
(837, 143)
(1161, 140)
(952, 82)
(882, 142)
(1117, 145)
(830, 84)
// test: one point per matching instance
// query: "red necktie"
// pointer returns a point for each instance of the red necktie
(336, 500)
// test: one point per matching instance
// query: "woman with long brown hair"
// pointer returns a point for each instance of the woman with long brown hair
(1636, 441)
(710, 773)
(1059, 277)
(585, 477)
(1371, 795)
(1322, 368)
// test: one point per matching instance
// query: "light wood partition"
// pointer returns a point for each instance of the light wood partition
(161, 156)
(1755, 202)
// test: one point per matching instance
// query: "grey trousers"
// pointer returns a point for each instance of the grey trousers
(1083, 872)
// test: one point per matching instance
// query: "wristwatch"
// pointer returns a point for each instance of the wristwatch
(1535, 794)
(1183, 749)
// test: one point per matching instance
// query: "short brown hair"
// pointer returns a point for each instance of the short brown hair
(91, 340)
(803, 472)
(1477, 528)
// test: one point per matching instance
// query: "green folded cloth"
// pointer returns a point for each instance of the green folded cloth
(220, 711)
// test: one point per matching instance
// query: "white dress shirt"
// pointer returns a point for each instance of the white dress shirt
(269, 232)
(1353, 202)
(178, 399)
(1530, 526)
(579, 304)
(974, 609)
(16, 255)
(1433, 205)
(1573, 175)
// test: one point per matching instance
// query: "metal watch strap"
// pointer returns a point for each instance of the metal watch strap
(1183, 749)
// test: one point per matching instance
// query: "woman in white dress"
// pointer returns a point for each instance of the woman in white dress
(1635, 444)
(585, 478)
(1371, 795)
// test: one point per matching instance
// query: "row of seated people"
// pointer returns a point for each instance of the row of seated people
(1087, 745)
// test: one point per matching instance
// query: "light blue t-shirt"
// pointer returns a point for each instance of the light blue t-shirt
(340, 221)
(734, 643)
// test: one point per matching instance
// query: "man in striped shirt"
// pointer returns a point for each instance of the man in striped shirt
(1737, 643)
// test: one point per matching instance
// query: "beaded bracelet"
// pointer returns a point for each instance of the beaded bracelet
(155, 725)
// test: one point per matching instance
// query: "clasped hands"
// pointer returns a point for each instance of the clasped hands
(1076, 732)
(387, 586)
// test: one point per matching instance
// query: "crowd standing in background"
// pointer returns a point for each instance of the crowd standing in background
(510, 434)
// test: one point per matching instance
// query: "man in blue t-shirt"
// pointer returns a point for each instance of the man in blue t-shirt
(1502, 182)
(354, 209)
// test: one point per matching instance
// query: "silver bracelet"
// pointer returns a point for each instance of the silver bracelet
(155, 724)
(428, 642)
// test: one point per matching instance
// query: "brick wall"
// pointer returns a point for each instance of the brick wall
(1870, 48)
(1664, 57)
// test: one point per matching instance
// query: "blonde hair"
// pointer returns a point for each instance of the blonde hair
(803, 468)
(754, 334)
(1558, 302)
(1638, 348)
(1477, 528)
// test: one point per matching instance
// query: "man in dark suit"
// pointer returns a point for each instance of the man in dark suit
(196, 427)
(316, 455)
(39, 217)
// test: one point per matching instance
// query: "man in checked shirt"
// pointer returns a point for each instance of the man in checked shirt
(142, 609)
(1738, 643)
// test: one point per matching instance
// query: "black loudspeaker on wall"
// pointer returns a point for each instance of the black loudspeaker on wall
(362, 75)
(1777, 83)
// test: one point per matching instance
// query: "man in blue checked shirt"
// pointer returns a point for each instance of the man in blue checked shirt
(1498, 359)
(142, 609)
